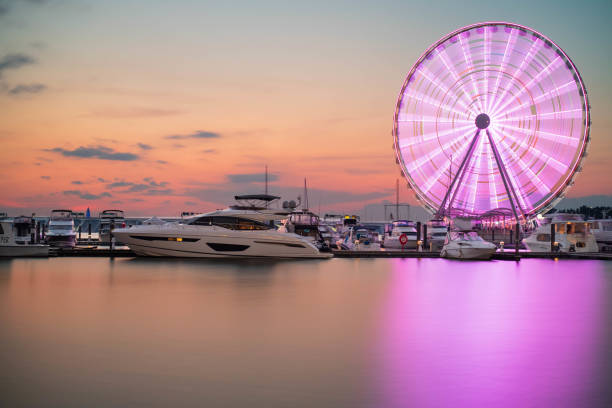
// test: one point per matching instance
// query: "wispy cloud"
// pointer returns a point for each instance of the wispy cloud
(15, 61)
(27, 89)
(145, 146)
(85, 195)
(161, 161)
(45, 177)
(132, 112)
(251, 178)
(147, 187)
(77, 182)
(209, 151)
(95, 152)
(199, 134)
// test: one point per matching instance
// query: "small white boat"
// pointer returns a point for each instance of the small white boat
(403, 236)
(61, 231)
(572, 234)
(466, 245)
(16, 239)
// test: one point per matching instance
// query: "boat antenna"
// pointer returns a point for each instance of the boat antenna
(305, 195)
(397, 199)
(266, 183)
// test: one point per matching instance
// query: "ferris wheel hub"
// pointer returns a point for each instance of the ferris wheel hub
(482, 121)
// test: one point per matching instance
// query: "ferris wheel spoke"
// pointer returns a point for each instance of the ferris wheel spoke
(558, 166)
(432, 136)
(505, 179)
(529, 57)
(540, 97)
(548, 116)
(446, 90)
(527, 85)
(553, 137)
(503, 66)
(457, 78)
(430, 181)
(430, 101)
(417, 163)
(538, 183)
(470, 68)
(491, 178)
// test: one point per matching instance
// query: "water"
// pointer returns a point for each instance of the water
(91, 332)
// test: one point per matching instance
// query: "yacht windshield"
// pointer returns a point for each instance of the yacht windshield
(233, 223)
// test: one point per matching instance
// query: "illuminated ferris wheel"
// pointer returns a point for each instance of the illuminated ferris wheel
(492, 117)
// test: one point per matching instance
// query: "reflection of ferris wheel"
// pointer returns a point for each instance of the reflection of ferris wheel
(492, 117)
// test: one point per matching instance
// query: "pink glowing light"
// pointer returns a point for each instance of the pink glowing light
(538, 110)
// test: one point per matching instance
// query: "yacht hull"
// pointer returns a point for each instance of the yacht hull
(61, 241)
(468, 253)
(186, 242)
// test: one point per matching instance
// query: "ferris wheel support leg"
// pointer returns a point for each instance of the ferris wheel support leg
(507, 183)
(459, 174)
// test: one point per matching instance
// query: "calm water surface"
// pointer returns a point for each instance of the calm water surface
(91, 332)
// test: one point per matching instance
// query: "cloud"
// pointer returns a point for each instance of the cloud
(14, 61)
(251, 178)
(149, 187)
(198, 134)
(101, 180)
(144, 146)
(27, 89)
(209, 151)
(95, 152)
(45, 177)
(162, 162)
(119, 184)
(86, 195)
(134, 112)
(78, 182)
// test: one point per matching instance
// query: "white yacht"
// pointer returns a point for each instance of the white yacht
(108, 218)
(16, 239)
(403, 236)
(436, 234)
(602, 230)
(240, 231)
(466, 245)
(61, 231)
(572, 234)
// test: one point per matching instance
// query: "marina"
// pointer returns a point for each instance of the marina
(321, 204)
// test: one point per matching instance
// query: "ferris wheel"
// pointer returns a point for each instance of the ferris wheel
(494, 116)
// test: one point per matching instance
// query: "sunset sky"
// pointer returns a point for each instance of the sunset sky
(158, 107)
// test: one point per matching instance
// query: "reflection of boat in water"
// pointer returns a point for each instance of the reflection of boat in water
(602, 230)
(240, 231)
(572, 234)
(403, 235)
(16, 239)
(61, 231)
(466, 245)
(110, 219)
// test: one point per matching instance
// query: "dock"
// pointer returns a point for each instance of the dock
(125, 252)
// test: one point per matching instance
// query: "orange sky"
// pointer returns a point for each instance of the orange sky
(310, 91)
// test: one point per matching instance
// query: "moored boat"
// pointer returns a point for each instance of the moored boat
(466, 245)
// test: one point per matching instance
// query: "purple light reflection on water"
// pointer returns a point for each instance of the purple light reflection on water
(484, 334)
